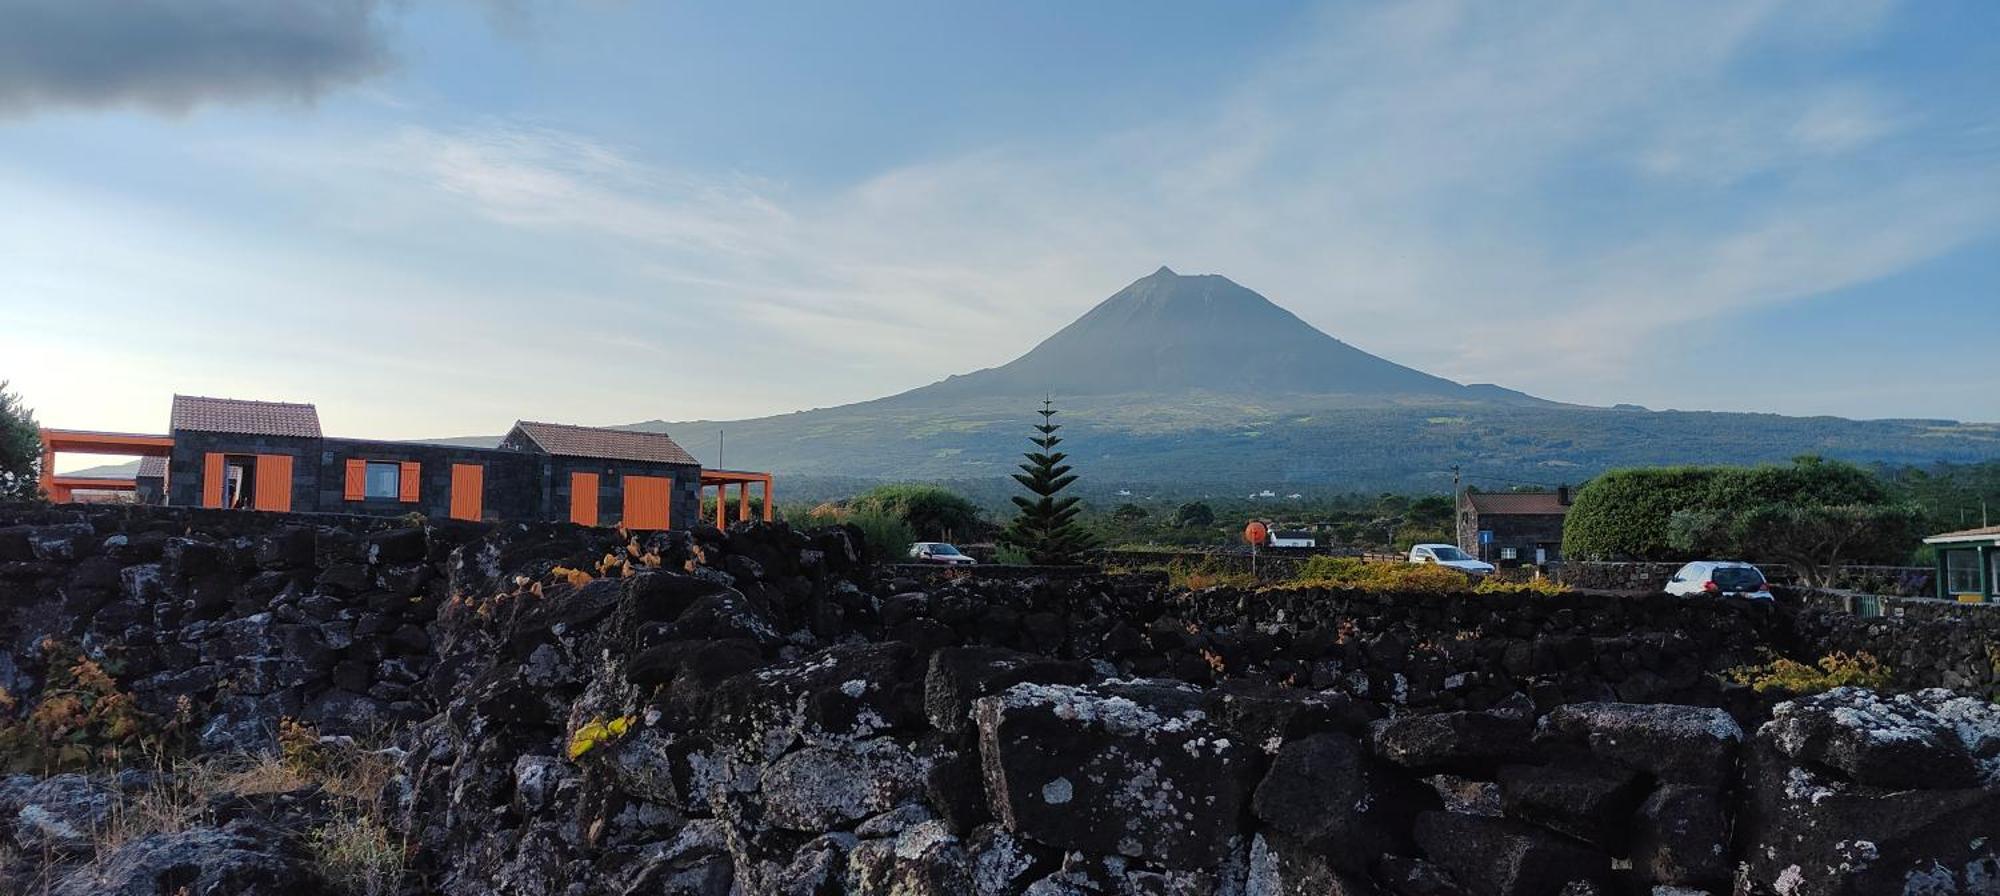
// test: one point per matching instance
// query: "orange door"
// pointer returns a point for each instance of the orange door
(646, 502)
(274, 482)
(212, 473)
(583, 499)
(468, 491)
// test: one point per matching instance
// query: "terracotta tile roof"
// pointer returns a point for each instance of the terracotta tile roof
(610, 444)
(152, 466)
(253, 418)
(1983, 532)
(1517, 503)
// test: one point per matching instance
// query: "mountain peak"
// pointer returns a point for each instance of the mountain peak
(1167, 334)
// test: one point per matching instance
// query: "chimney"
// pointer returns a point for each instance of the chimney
(1562, 495)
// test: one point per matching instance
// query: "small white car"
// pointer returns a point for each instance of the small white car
(1720, 578)
(940, 553)
(1450, 556)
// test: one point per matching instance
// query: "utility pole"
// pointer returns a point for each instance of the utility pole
(1457, 515)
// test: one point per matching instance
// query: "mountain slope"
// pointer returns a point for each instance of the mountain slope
(1181, 385)
(1168, 334)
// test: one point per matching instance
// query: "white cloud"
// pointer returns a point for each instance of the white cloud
(1574, 177)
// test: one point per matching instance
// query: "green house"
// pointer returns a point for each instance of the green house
(1968, 564)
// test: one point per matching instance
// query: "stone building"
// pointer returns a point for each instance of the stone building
(1510, 529)
(268, 455)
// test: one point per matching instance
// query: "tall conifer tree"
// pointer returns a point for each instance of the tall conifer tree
(1046, 529)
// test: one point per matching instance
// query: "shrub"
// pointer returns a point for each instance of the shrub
(1537, 585)
(1624, 514)
(885, 536)
(932, 511)
(359, 855)
(1207, 574)
(1404, 578)
(82, 720)
(1834, 670)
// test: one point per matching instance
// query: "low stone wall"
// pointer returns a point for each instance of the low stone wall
(1924, 642)
(753, 711)
(1908, 581)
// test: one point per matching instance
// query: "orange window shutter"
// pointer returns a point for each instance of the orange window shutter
(357, 479)
(410, 479)
(646, 502)
(274, 482)
(468, 485)
(211, 479)
(583, 499)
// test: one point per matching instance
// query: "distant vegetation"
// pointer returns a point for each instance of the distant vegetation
(20, 448)
(1812, 514)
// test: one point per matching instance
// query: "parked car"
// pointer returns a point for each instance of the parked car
(1720, 578)
(1450, 556)
(940, 553)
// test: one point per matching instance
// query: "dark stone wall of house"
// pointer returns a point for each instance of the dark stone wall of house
(184, 466)
(1522, 532)
(512, 487)
(519, 485)
(611, 487)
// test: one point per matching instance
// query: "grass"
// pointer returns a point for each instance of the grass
(355, 851)
(1859, 669)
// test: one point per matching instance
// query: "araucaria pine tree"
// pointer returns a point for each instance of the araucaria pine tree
(1047, 530)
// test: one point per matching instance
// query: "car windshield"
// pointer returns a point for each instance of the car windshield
(944, 549)
(1737, 578)
(1450, 553)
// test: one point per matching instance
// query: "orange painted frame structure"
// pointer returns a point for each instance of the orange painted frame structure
(722, 480)
(78, 441)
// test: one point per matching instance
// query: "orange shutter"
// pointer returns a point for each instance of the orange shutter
(211, 480)
(646, 502)
(357, 479)
(409, 480)
(468, 485)
(583, 499)
(274, 482)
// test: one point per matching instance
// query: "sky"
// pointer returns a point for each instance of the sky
(432, 218)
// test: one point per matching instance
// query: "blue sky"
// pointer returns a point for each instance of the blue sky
(434, 218)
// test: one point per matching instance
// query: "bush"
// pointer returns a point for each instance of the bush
(1537, 585)
(1624, 514)
(885, 536)
(1834, 670)
(1208, 574)
(359, 855)
(935, 513)
(1400, 578)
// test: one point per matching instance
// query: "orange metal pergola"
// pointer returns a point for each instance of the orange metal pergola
(722, 480)
(60, 489)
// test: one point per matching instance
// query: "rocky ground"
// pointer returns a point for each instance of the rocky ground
(238, 703)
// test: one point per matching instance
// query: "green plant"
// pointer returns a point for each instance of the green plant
(1537, 585)
(20, 449)
(1400, 578)
(1046, 528)
(934, 512)
(1207, 574)
(885, 537)
(1833, 670)
(359, 855)
(82, 720)
(595, 733)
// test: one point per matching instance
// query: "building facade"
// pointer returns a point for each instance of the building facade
(1968, 564)
(1509, 529)
(258, 455)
